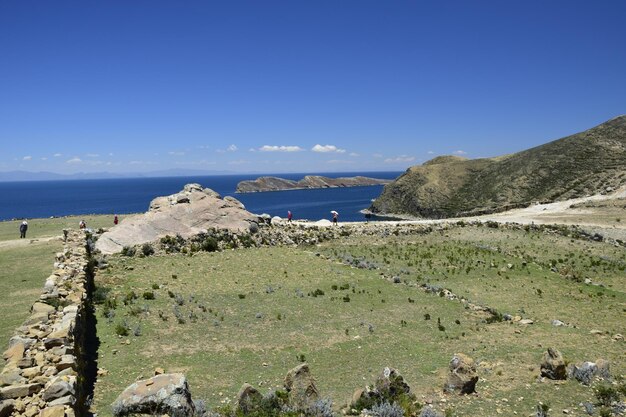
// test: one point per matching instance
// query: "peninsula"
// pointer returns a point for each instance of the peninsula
(308, 182)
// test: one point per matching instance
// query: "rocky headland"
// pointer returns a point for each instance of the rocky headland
(310, 181)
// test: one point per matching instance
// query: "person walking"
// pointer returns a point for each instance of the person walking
(115, 220)
(335, 217)
(23, 229)
(289, 216)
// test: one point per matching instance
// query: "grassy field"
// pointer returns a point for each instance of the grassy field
(249, 315)
(26, 263)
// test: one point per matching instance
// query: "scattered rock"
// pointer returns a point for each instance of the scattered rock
(248, 398)
(300, 385)
(553, 365)
(54, 411)
(59, 388)
(161, 394)
(18, 391)
(6, 407)
(390, 384)
(462, 377)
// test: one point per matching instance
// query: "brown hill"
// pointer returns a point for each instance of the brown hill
(589, 162)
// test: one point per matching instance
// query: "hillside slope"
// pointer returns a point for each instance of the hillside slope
(589, 162)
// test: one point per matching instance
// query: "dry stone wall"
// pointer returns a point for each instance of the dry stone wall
(43, 373)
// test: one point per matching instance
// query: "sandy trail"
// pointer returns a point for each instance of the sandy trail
(20, 243)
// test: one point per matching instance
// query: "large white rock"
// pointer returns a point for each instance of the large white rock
(186, 213)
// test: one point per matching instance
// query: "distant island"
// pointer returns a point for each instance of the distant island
(310, 181)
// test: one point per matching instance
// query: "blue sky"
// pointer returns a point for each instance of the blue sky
(295, 86)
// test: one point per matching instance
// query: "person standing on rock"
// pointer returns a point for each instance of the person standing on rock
(335, 217)
(82, 225)
(289, 216)
(23, 229)
(115, 220)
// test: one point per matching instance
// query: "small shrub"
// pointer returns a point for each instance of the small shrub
(147, 249)
(317, 293)
(155, 286)
(387, 410)
(241, 296)
(606, 394)
(209, 245)
(542, 410)
(130, 297)
(128, 251)
(121, 329)
(148, 295)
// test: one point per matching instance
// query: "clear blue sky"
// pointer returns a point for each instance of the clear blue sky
(125, 86)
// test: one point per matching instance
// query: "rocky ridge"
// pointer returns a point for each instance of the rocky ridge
(262, 184)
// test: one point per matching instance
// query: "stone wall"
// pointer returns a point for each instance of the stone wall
(43, 373)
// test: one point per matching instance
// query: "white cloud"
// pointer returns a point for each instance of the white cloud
(354, 154)
(252, 150)
(176, 153)
(27, 158)
(327, 148)
(377, 155)
(92, 155)
(110, 153)
(74, 160)
(459, 152)
(44, 158)
(274, 148)
(339, 161)
(430, 152)
(400, 159)
(232, 148)
(57, 155)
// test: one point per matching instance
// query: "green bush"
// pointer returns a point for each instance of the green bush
(147, 249)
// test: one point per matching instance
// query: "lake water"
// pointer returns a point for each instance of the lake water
(36, 199)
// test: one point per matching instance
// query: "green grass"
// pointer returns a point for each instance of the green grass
(38, 228)
(247, 321)
(26, 263)
(23, 273)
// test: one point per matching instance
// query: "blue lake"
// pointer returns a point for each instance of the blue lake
(36, 199)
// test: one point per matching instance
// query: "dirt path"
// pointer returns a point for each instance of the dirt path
(20, 243)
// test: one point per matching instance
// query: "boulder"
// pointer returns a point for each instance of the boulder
(390, 384)
(553, 365)
(248, 398)
(300, 385)
(14, 354)
(6, 407)
(19, 391)
(11, 376)
(54, 411)
(59, 388)
(161, 394)
(462, 377)
(585, 372)
(187, 213)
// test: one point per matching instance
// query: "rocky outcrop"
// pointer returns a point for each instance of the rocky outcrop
(191, 211)
(308, 182)
(462, 377)
(553, 365)
(301, 388)
(43, 361)
(162, 394)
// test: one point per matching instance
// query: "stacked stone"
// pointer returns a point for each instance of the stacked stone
(41, 366)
